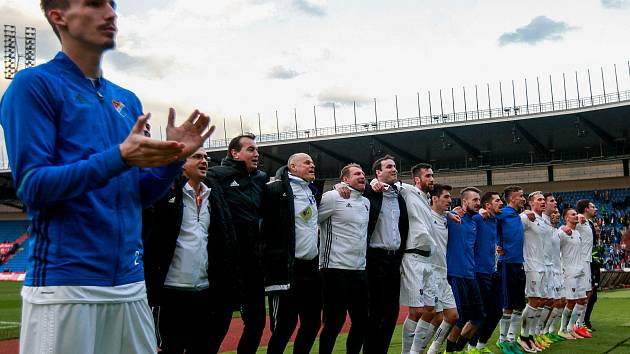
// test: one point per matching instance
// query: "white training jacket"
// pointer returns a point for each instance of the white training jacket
(343, 230)
(420, 219)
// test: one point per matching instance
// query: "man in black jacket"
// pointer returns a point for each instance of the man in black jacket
(243, 186)
(290, 258)
(387, 234)
(190, 261)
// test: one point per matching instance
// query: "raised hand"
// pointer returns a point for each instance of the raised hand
(139, 150)
(484, 213)
(530, 215)
(343, 190)
(190, 133)
(454, 217)
(567, 230)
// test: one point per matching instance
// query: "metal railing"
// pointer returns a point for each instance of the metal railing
(435, 120)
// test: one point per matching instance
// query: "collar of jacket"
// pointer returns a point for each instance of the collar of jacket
(67, 64)
(282, 174)
(238, 165)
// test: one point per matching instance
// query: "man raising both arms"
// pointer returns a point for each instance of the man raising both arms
(78, 155)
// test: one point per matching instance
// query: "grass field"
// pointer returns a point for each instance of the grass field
(611, 318)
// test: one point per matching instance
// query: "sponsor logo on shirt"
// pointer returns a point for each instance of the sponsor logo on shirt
(348, 205)
(234, 184)
(120, 108)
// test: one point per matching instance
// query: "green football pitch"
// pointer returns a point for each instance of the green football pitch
(611, 319)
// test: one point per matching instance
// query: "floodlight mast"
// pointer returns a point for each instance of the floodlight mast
(10, 52)
(12, 55)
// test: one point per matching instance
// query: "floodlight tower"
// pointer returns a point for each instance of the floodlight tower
(10, 52)
(12, 55)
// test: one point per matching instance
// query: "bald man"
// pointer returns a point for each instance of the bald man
(290, 259)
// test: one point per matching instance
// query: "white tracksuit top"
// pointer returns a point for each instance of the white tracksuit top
(343, 227)
(420, 218)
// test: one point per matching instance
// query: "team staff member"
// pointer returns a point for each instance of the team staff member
(289, 228)
(460, 259)
(387, 233)
(243, 186)
(510, 233)
(78, 156)
(343, 245)
(486, 274)
(190, 257)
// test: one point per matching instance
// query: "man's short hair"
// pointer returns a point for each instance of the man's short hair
(582, 205)
(531, 195)
(235, 143)
(345, 171)
(469, 189)
(47, 5)
(376, 166)
(564, 213)
(547, 195)
(507, 192)
(438, 189)
(487, 197)
(415, 170)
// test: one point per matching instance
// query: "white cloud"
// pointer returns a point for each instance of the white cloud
(283, 73)
(539, 29)
(313, 7)
(616, 4)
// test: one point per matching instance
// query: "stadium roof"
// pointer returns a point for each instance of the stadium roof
(560, 131)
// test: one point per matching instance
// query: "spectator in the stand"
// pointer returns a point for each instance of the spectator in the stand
(190, 259)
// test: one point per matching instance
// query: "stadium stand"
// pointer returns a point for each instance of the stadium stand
(12, 257)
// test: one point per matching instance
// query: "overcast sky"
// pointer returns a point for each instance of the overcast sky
(244, 57)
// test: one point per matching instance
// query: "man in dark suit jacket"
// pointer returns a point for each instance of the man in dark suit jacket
(387, 234)
(191, 263)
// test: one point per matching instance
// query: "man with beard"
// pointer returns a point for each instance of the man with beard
(387, 234)
(510, 234)
(417, 288)
(242, 185)
(460, 258)
(289, 228)
(343, 245)
(190, 256)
